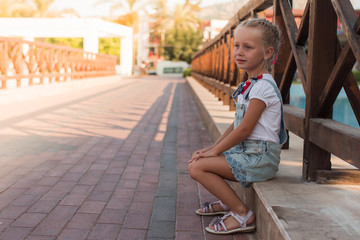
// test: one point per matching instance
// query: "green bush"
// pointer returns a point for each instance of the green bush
(70, 42)
(110, 46)
(187, 72)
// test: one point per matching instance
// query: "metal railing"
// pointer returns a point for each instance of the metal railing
(324, 66)
(36, 62)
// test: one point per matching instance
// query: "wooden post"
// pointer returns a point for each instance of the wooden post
(208, 62)
(285, 49)
(284, 53)
(219, 69)
(216, 60)
(4, 62)
(217, 57)
(228, 43)
(213, 55)
(222, 59)
(321, 59)
(227, 96)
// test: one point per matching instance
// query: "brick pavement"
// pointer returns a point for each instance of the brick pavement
(108, 162)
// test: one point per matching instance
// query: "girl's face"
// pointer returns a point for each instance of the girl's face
(249, 51)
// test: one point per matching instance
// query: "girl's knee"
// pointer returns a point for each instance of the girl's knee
(193, 170)
(190, 168)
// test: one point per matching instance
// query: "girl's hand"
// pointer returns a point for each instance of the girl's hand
(201, 151)
(197, 156)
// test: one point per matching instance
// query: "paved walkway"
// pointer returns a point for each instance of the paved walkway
(102, 158)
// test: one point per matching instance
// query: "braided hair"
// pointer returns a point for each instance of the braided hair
(271, 36)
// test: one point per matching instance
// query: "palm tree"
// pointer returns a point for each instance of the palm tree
(161, 24)
(168, 23)
(185, 15)
(130, 10)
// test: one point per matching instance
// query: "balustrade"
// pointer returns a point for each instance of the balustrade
(323, 65)
(36, 62)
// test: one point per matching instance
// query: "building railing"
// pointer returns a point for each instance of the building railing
(314, 52)
(37, 62)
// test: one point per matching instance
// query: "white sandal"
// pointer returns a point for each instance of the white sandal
(218, 222)
(207, 209)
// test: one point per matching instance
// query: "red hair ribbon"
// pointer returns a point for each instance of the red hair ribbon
(275, 59)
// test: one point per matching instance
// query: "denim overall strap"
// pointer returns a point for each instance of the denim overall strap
(238, 90)
(240, 107)
(282, 134)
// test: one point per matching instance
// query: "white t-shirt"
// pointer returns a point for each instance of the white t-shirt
(268, 126)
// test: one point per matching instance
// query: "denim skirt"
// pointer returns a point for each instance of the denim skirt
(254, 161)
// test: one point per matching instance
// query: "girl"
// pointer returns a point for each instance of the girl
(249, 150)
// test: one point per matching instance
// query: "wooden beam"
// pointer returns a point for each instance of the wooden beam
(285, 48)
(338, 138)
(339, 74)
(336, 80)
(292, 30)
(228, 48)
(288, 77)
(280, 68)
(213, 60)
(223, 60)
(347, 17)
(338, 176)
(217, 59)
(353, 93)
(235, 76)
(303, 33)
(321, 59)
(294, 119)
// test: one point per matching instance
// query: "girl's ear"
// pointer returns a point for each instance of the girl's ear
(269, 52)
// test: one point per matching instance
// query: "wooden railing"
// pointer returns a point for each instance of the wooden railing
(324, 66)
(36, 62)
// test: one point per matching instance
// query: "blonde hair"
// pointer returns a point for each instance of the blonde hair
(271, 36)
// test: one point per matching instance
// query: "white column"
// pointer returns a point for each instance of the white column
(139, 42)
(142, 40)
(126, 55)
(91, 41)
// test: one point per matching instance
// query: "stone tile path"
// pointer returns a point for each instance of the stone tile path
(105, 162)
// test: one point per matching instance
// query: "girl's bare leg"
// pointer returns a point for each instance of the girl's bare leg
(211, 173)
